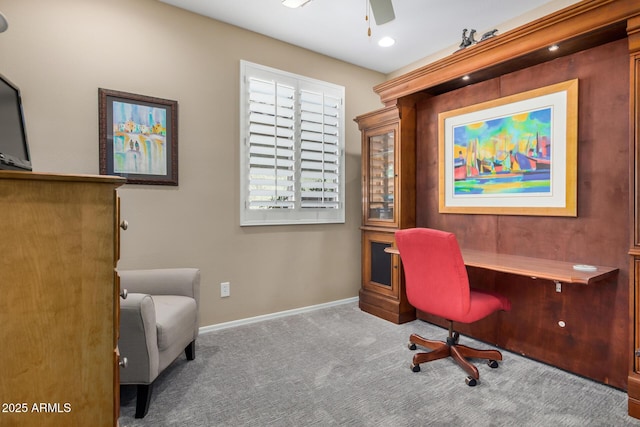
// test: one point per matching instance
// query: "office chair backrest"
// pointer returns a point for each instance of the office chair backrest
(435, 274)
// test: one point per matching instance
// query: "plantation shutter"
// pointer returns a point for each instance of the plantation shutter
(319, 150)
(271, 145)
(292, 156)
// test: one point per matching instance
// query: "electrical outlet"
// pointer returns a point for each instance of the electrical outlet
(225, 289)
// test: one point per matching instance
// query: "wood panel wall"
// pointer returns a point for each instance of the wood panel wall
(594, 342)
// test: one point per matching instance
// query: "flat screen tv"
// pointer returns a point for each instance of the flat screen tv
(14, 151)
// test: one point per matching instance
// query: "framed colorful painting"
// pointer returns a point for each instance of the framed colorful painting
(512, 156)
(138, 137)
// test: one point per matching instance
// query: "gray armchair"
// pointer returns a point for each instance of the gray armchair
(158, 320)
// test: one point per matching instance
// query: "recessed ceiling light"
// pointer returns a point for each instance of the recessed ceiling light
(295, 3)
(553, 48)
(465, 78)
(386, 42)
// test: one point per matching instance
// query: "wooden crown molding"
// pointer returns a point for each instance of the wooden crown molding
(633, 30)
(578, 20)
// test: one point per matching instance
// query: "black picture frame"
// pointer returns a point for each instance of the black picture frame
(138, 137)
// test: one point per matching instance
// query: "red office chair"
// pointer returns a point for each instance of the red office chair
(437, 283)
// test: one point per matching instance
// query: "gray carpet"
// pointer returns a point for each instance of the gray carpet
(339, 366)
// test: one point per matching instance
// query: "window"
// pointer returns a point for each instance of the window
(292, 148)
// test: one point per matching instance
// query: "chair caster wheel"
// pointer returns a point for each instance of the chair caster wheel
(471, 382)
(415, 368)
(492, 364)
(411, 346)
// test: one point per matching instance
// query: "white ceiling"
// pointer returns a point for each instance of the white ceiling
(337, 28)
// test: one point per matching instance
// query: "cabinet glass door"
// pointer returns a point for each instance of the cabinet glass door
(381, 176)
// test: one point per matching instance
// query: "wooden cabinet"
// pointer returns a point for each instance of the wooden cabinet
(388, 204)
(60, 304)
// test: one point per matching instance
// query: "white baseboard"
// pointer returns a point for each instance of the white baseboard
(249, 320)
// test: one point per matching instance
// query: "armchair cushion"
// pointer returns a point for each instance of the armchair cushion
(175, 317)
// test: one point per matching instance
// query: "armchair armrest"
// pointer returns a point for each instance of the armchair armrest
(138, 339)
(162, 281)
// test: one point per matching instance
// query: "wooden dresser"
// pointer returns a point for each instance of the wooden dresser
(59, 303)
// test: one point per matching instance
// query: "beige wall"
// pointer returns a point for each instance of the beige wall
(60, 52)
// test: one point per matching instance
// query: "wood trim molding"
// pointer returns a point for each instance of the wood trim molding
(634, 148)
(578, 20)
(378, 118)
(633, 32)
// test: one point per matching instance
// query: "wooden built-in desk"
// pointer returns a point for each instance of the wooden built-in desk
(592, 331)
(537, 268)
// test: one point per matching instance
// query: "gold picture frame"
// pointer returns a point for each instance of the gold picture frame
(515, 155)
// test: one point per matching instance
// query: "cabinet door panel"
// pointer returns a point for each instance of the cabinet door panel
(380, 273)
(380, 173)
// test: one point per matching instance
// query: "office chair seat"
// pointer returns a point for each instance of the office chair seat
(437, 283)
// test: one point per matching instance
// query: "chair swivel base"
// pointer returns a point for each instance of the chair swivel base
(451, 348)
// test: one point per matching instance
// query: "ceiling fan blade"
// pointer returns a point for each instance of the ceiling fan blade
(382, 11)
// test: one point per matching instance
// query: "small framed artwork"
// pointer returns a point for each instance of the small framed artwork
(515, 155)
(138, 137)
